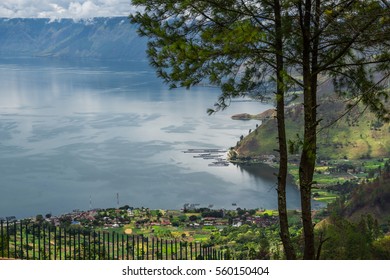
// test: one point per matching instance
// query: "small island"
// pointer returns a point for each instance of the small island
(266, 115)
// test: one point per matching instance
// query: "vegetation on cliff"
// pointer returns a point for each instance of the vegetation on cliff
(357, 135)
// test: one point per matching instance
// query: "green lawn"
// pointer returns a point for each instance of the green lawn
(324, 196)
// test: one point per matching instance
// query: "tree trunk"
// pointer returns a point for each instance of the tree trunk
(282, 174)
(306, 171)
(308, 155)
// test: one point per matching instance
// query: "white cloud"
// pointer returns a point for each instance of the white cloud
(64, 9)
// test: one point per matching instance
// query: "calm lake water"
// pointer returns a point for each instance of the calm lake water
(73, 135)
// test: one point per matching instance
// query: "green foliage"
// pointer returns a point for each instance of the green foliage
(247, 242)
(352, 241)
(39, 218)
(224, 43)
(381, 248)
(213, 213)
(183, 218)
(295, 145)
(371, 197)
(4, 242)
(161, 232)
(193, 218)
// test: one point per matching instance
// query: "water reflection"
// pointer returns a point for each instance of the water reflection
(74, 130)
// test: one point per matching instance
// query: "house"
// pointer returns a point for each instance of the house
(237, 224)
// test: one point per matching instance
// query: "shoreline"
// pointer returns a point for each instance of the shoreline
(321, 199)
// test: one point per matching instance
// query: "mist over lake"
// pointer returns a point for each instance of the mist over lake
(74, 134)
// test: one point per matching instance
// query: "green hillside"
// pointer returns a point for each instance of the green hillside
(372, 198)
(358, 224)
(358, 135)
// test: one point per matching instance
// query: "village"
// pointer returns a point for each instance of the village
(189, 223)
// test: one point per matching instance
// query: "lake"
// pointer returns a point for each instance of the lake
(82, 134)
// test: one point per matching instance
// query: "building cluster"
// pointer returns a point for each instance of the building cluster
(144, 217)
(107, 218)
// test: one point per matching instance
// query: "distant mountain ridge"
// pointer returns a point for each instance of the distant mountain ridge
(98, 38)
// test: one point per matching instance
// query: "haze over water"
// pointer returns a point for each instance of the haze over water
(75, 134)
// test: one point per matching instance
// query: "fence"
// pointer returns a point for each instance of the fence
(45, 242)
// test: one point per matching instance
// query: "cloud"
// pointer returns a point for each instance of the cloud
(64, 9)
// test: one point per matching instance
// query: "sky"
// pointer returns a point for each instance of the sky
(64, 8)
